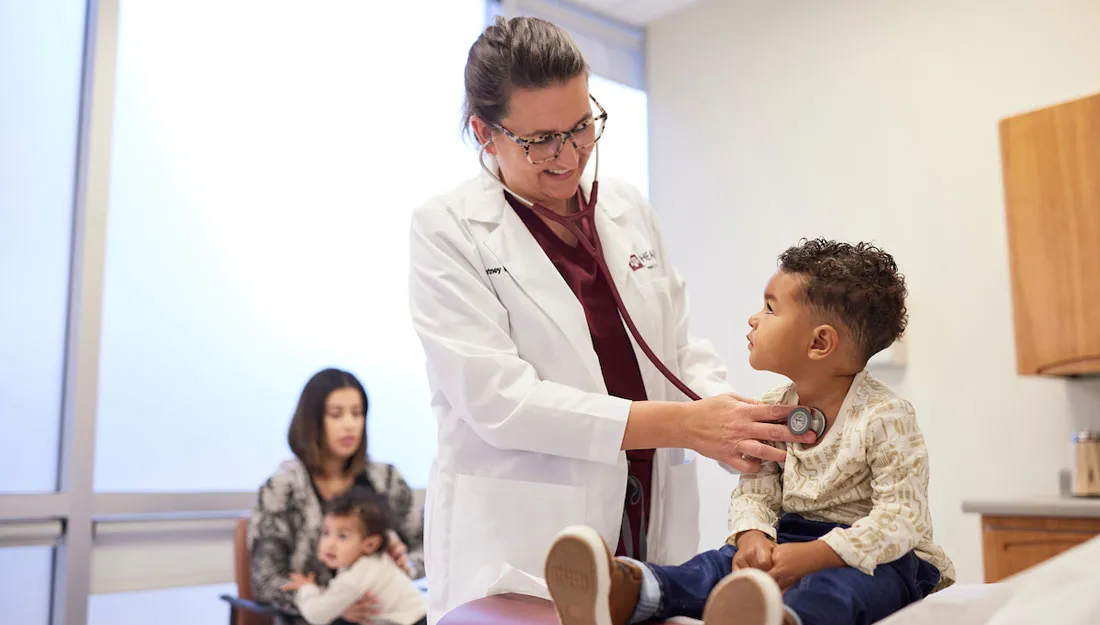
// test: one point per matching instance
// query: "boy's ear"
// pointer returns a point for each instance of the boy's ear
(826, 341)
(372, 543)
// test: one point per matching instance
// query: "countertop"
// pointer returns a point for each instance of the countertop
(1040, 505)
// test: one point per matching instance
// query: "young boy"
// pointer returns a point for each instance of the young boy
(841, 532)
(353, 540)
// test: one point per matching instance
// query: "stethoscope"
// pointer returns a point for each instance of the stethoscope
(582, 225)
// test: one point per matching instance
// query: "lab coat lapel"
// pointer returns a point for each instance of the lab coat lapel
(525, 261)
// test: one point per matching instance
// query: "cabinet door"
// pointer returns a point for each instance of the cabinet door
(1051, 168)
(1012, 544)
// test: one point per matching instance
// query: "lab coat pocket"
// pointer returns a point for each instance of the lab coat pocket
(500, 523)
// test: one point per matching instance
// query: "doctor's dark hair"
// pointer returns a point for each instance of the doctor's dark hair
(306, 435)
(516, 53)
(369, 508)
(858, 283)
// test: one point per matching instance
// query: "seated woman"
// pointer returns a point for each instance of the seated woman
(328, 437)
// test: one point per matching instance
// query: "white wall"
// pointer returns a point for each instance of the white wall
(770, 121)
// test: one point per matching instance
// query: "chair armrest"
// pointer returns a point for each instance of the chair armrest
(251, 606)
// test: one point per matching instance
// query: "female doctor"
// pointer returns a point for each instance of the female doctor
(549, 413)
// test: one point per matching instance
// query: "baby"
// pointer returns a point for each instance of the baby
(840, 533)
(354, 540)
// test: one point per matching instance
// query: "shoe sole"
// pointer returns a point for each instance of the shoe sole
(745, 597)
(578, 578)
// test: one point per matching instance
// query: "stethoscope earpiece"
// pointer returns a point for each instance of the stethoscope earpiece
(802, 420)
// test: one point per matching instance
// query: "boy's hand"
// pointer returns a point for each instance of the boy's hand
(754, 551)
(793, 561)
(297, 581)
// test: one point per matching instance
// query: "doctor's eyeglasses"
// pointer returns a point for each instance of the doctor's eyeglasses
(545, 148)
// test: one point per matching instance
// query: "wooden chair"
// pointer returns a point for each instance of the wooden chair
(243, 610)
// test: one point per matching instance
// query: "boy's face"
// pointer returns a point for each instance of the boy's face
(342, 542)
(783, 331)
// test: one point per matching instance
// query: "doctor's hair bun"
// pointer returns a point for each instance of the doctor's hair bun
(372, 510)
(516, 53)
(859, 284)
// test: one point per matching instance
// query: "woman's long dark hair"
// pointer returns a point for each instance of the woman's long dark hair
(306, 435)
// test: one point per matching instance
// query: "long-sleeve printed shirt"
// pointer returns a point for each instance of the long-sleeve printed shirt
(869, 471)
(399, 600)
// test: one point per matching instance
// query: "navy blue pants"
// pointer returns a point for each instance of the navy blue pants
(838, 596)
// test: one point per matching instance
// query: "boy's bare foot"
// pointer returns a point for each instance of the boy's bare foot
(746, 597)
(587, 584)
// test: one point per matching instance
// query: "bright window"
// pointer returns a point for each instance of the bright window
(41, 54)
(624, 148)
(258, 227)
(25, 574)
(170, 606)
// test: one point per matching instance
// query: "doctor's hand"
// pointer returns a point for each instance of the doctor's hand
(736, 430)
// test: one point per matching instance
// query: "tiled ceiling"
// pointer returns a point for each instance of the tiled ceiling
(635, 12)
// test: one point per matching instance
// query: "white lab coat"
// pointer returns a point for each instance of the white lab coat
(528, 437)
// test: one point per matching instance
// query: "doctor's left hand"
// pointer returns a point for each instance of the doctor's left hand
(398, 551)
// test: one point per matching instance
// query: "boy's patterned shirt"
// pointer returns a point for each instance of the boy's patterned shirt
(870, 471)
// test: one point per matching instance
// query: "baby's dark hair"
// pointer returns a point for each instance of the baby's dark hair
(372, 511)
(859, 284)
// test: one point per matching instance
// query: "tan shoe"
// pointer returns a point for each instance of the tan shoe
(745, 597)
(587, 584)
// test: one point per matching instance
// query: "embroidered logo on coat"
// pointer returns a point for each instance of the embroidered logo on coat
(647, 259)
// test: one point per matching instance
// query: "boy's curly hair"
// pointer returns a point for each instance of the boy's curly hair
(859, 284)
(372, 511)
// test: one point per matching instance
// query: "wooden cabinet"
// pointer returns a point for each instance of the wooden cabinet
(1011, 544)
(1051, 170)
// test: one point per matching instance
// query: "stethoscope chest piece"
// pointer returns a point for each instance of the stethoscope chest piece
(802, 420)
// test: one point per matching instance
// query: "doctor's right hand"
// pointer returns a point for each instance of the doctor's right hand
(736, 431)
